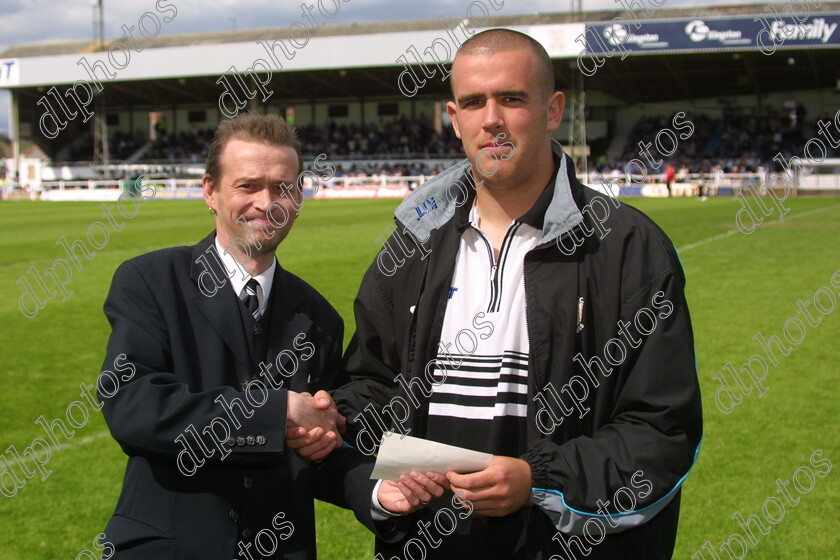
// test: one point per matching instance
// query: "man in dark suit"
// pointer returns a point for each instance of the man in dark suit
(214, 353)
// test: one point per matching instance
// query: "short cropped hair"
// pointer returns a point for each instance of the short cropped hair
(252, 127)
(497, 40)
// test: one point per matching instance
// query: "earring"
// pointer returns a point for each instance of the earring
(211, 211)
(297, 213)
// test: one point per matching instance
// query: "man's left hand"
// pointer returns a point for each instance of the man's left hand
(313, 445)
(411, 492)
(500, 489)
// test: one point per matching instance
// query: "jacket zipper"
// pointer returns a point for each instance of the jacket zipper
(495, 280)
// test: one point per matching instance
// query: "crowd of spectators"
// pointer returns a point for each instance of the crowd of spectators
(185, 146)
(122, 145)
(402, 137)
(399, 137)
(739, 141)
(395, 169)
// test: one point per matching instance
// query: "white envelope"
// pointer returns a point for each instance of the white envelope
(399, 454)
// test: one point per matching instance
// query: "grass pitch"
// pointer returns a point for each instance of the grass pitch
(738, 285)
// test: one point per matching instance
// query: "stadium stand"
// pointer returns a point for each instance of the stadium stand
(346, 95)
(741, 141)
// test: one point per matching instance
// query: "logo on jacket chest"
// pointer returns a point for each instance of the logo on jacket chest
(428, 205)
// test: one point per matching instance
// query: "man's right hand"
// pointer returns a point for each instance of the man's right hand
(314, 425)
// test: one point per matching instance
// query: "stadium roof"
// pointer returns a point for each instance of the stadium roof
(346, 29)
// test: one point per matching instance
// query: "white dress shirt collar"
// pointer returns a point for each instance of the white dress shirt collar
(240, 277)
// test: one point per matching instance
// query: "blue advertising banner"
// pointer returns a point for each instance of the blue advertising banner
(765, 32)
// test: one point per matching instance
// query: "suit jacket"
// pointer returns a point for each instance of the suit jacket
(176, 376)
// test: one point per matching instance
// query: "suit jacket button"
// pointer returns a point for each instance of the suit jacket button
(260, 440)
(258, 329)
(247, 482)
(244, 385)
(240, 441)
(246, 533)
(250, 440)
(233, 516)
(231, 442)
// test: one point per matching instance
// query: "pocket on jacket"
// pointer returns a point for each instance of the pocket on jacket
(132, 538)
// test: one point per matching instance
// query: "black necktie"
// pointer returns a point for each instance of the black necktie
(249, 298)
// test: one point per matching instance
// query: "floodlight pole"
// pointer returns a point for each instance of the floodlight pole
(101, 156)
(101, 152)
(98, 24)
(577, 138)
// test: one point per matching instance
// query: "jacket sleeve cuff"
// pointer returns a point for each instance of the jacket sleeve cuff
(540, 477)
(377, 511)
(567, 519)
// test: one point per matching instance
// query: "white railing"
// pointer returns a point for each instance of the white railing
(390, 186)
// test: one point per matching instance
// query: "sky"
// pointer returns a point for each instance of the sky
(37, 21)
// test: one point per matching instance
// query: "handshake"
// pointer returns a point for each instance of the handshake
(313, 425)
(315, 428)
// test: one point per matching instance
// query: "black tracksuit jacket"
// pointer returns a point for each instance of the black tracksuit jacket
(614, 414)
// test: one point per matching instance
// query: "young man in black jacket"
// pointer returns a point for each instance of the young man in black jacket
(517, 312)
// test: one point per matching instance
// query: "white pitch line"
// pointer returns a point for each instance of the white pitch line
(765, 224)
(70, 444)
(709, 240)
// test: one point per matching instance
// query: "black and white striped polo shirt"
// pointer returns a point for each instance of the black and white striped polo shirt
(482, 364)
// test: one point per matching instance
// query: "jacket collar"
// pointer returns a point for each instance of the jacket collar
(535, 217)
(221, 309)
(436, 202)
(202, 258)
